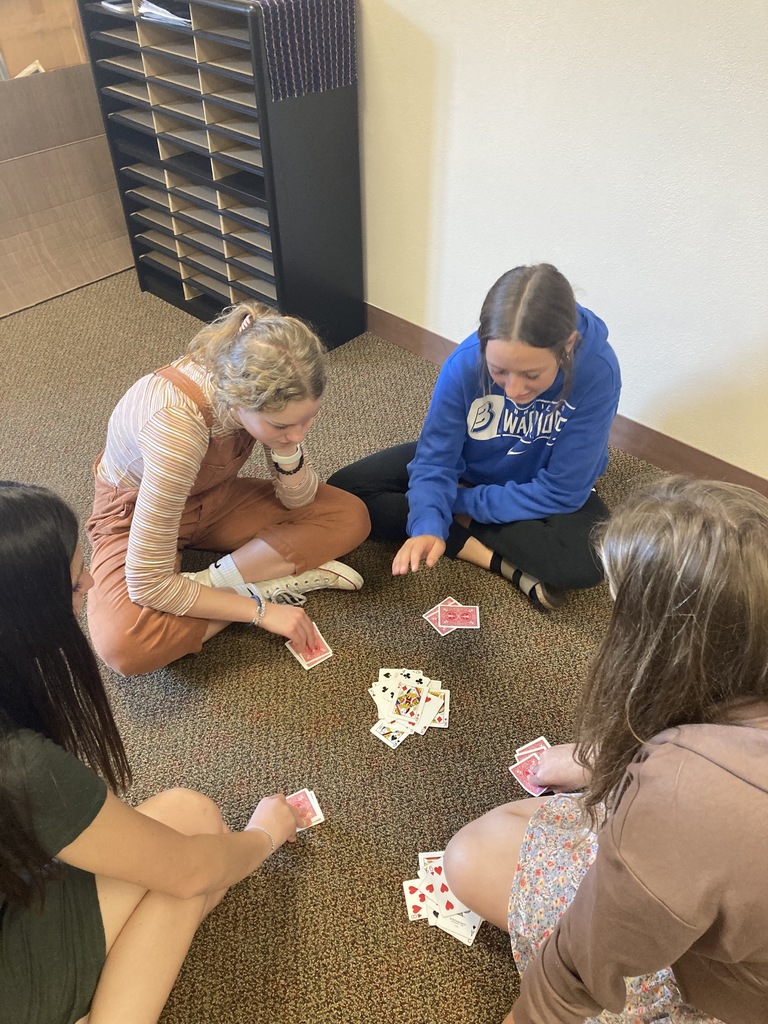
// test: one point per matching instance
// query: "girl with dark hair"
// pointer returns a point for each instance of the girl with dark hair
(168, 480)
(98, 901)
(515, 437)
(659, 866)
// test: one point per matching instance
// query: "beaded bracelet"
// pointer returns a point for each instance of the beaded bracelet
(283, 460)
(260, 611)
(290, 472)
(258, 828)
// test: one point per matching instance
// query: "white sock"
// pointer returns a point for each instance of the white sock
(224, 573)
(221, 573)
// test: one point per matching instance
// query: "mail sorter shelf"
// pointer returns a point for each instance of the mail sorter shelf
(231, 193)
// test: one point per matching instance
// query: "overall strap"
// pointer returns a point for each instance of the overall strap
(190, 389)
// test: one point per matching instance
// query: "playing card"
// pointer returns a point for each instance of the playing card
(447, 903)
(428, 858)
(319, 651)
(462, 926)
(459, 616)
(522, 772)
(408, 704)
(433, 702)
(534, 747)
(390, 733)
(440, 721)
(433, 614)
(305, 801)
(415, 902)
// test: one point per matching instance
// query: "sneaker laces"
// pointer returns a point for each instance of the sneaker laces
(287, 592)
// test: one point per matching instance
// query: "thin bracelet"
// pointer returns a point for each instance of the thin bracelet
(283, 460)
(258, 828)
(290, 472)
(260, 611)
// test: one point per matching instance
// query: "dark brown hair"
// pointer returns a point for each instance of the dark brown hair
(687, 562)
(534, 305)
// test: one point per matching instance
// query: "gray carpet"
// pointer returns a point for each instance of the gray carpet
(320, 933)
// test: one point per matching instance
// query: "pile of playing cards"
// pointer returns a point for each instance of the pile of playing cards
(526, 759)
(408, 702)
(450, 615)
(428, 898)
(305, 801)
(313, 655)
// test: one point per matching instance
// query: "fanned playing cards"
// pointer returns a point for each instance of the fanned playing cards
(526, 759)
(428, 897)
(408, 703)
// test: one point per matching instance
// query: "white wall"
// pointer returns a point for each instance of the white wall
(625, 142)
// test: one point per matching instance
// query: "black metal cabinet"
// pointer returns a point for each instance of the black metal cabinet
(228, 192)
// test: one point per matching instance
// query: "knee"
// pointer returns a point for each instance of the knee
(126, 657)
(460, 862)
(187, 811)
(353, 514)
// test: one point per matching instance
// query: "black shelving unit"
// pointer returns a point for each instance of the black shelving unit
(229, 193)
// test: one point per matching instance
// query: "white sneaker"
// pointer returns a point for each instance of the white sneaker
(291, 589)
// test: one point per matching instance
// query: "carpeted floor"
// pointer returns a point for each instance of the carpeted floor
(320, 934)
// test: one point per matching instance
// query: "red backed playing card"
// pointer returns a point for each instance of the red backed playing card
(306, 803)
(313, 655)
(459, 616)
(522, 772)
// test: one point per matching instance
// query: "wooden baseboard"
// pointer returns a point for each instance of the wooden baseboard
(634, 438)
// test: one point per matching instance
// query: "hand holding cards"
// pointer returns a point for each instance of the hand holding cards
(319, 651)
(526, 759)
(305, 802)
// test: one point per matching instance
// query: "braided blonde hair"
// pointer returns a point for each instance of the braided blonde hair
(259, 360)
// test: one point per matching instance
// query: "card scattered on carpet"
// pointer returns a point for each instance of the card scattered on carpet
(450, 615)
(429, 898)
(408, 703)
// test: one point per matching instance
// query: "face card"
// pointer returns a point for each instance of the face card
(409, 701)
(522, 772)
(460, 616)
(440, 721)
(305, 801)
(390, 733)
(534, 747)
(319, 651)
(433, 702)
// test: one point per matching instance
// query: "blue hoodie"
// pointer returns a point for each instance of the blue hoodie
(521, 461)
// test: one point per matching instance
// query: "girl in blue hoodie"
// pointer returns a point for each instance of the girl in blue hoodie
(515, 437)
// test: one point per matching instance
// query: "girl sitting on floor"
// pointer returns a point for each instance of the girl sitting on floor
(657, 910)
(515, 437)
(167, 480)
(98, 901)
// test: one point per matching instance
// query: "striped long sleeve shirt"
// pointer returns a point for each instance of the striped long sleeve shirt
(156, 442)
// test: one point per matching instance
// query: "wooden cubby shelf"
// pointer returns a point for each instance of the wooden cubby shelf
(228, 193)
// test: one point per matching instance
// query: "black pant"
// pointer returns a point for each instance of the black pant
(555, 549)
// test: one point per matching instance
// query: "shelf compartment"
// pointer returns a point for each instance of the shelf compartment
(207, 263)
(141, 120)
(253, 240)
(239, 68)
(181, 50)
(217, 289)
(206, 241)
(258, 265)
(157, 241)
(101, 9)
(235, 98)
(184, 80)
(220, 26)
(146, 174)
(243, 129)
(154, 219)
(129, 64)
(250, 214)
(199, 217)
(246, 158)
(129, 92)
(204, 194)
(234, 36)
(261, 289)
(152, 196)
(187, 109)
(161, 261)
(127, 36)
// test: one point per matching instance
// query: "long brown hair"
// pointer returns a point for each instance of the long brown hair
(687, 562)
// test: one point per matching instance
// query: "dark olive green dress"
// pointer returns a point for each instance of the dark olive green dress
(51, 957)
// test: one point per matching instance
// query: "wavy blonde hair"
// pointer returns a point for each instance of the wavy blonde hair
(687, 561)
(259, 360)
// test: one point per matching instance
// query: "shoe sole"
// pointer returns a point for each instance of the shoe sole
(346, 573)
